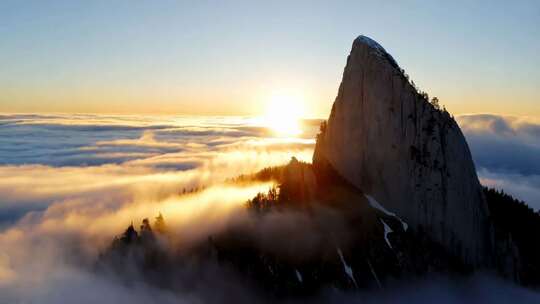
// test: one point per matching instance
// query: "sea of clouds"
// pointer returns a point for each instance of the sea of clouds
(506, 151)
(70, 183)
(46, 159)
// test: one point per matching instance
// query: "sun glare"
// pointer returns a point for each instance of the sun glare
(283, 114)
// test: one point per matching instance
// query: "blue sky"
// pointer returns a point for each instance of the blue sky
(224, 57)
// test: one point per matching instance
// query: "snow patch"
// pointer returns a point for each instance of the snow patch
(373, 203)
(376, 47)
(371, 43)
(387, 230)
(374, 274)
(299, 276)
(348, 270)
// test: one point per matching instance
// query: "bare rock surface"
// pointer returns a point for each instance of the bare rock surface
(389, 141)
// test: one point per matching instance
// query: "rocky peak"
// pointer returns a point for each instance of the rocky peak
(385, 138)
(374, 48)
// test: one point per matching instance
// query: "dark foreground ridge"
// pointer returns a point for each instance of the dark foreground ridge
(300, 240)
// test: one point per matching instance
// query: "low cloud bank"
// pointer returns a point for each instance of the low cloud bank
(501, 143)
(524, 187)
(50, 158)
(69, 184)
(506, 151)
(93, 140)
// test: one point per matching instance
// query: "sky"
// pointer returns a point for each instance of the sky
(230, 57)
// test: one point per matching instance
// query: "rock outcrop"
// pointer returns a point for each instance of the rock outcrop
(389, 141)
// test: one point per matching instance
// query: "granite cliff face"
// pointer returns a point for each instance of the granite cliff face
(389, 141)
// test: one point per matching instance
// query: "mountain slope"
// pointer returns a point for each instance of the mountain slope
(385, 137)
(296, 245)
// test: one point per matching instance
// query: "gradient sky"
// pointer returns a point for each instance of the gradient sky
(227, 57)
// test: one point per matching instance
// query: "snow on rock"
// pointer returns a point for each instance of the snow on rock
(370, 42)
(348, 270)
(299, 276)
(387, 230)
(376, 47)
(374, 274)
(373, 203)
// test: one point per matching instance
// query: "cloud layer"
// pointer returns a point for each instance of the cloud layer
(506, 151)
(49, 158)
(69, 183)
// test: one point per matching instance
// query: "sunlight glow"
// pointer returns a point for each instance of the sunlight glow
(283, 114)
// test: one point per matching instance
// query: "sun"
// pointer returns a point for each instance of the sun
(283, 114)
